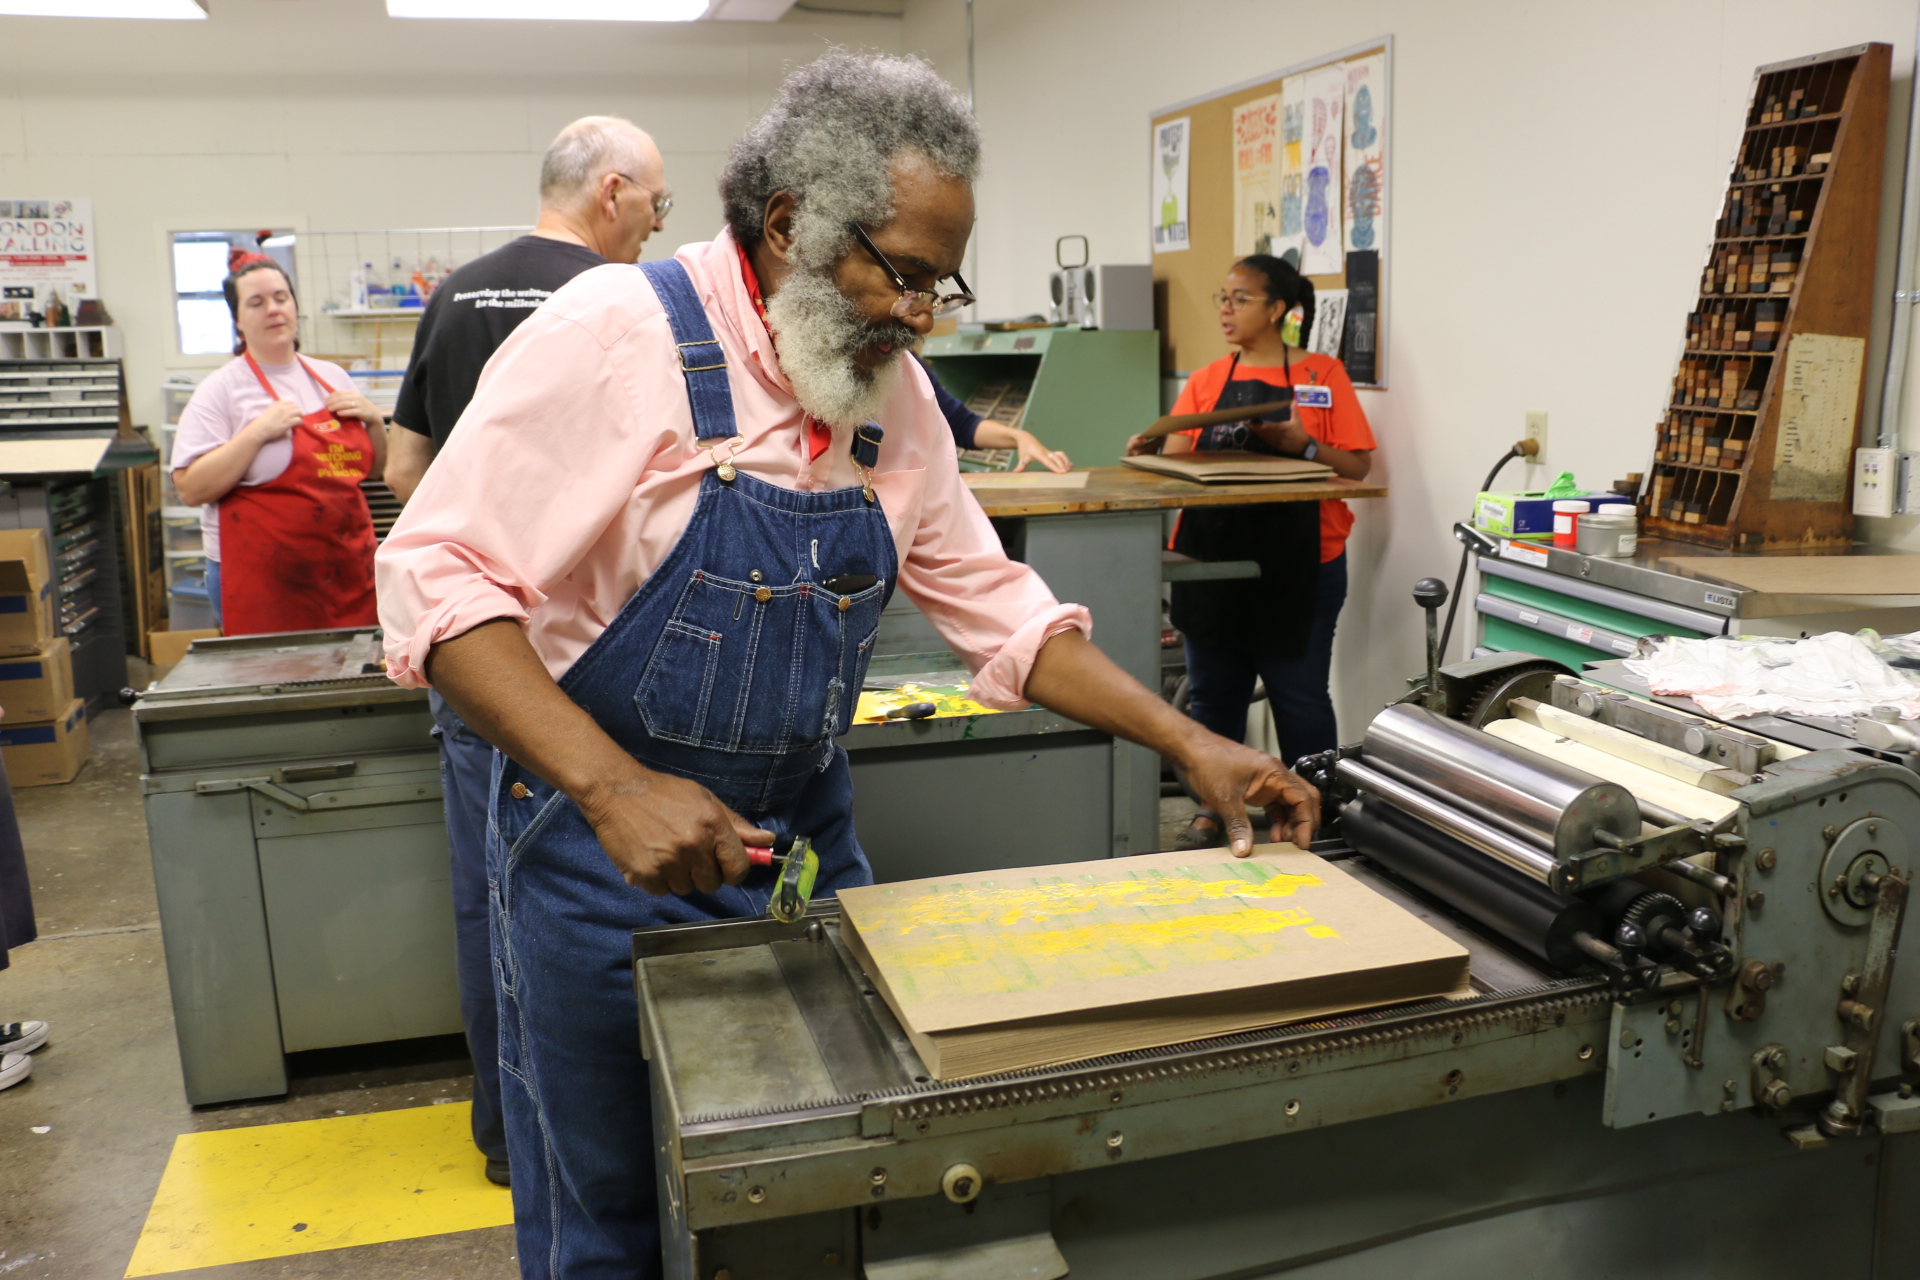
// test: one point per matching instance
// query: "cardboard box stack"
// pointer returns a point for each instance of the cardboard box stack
(43, 735)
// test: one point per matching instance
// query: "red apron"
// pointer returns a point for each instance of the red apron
(296, 553)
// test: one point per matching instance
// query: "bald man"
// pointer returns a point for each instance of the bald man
(603, 191)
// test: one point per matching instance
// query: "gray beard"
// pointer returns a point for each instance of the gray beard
(817, 333)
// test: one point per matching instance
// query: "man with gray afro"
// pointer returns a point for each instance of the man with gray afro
(648, 567)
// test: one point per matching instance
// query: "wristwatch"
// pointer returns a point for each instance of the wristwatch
(1313, 448)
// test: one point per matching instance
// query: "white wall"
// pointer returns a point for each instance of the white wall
(328, 115)
(1557, 171)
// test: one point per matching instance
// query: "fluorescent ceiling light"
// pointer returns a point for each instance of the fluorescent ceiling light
(549, 10)
(176, 9)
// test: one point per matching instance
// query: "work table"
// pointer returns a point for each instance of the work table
(1131, 489)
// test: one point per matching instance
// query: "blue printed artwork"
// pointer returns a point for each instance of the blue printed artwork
(1363, 198)
(1364, 134)
(1317, 180)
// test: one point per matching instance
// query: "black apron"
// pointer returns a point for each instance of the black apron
(1269, 617)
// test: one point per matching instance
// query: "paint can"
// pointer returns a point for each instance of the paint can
(1613, 532)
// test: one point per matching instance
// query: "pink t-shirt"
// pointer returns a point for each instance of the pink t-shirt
(573, 471)
(228, 399)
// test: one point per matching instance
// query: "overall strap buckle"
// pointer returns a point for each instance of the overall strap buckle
(718, 355)
(703, 361)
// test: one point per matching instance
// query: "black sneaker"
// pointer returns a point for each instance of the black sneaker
(497, 1173)
(21, 1037)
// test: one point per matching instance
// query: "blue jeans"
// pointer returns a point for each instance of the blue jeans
(1222, 680)
(578, 1102)
(213, 589)
(466, 780)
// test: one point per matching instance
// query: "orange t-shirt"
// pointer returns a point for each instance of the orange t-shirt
(1344, 426)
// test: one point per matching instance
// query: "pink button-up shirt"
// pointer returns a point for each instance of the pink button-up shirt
(574, 470)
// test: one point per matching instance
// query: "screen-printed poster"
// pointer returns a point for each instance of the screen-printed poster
(45, 246)
(1256, 175)
(1322, 221)
(1366, 153)
(1172, 143)
(1293, 170)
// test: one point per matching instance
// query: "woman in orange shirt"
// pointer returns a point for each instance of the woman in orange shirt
(1279, 626)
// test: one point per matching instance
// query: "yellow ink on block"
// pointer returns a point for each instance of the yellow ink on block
(947, 700)
(271, 1191)
(949, 941)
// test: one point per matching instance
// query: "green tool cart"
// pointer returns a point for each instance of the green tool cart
(299, 855)
(1081, 390)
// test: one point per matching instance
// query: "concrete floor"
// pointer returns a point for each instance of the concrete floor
(107, 1088)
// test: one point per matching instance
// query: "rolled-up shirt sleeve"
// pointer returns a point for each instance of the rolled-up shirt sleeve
(544, 459)
(994, 612)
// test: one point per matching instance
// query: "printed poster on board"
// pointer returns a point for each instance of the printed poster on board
(1322, 222)
(1172, 142)
(1329, 322)
(45, 246)
(1293, 170)
(1366, 153)
(1256, 175)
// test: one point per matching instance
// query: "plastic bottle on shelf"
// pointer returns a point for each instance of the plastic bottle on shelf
(357, 286)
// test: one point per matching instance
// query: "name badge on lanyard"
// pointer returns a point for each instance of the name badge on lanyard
(1312, 397)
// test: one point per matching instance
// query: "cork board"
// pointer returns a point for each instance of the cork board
(1185, 279)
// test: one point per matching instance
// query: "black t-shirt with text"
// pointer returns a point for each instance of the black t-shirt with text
(467, 319)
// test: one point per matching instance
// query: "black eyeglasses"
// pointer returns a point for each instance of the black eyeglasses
(912, 300)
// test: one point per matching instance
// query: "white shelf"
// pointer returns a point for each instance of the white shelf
(92, 343)
(374, 313)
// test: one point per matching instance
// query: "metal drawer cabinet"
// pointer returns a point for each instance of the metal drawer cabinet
(299, 854)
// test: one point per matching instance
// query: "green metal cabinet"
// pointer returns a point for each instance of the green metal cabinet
(299, 854)
(1090, 388)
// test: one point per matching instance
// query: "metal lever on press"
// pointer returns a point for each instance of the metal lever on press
(1430, 594)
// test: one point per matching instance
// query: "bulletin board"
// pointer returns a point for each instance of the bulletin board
(1295, 164)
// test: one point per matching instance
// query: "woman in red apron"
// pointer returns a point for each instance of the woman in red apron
(295, 547)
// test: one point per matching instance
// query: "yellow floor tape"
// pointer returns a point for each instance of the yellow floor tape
(272, 1190)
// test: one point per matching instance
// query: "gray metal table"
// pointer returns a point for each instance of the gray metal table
(299, 855)
(1581, 609)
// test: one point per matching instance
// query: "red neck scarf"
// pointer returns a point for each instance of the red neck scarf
(819, 435)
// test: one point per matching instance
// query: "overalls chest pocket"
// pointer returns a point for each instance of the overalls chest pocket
(758, 669)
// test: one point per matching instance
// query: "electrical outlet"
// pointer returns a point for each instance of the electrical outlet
(1537, 432)
(1875, 477)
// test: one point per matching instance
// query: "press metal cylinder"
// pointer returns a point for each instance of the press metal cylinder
(1513, 905)
(1495, 843)
(1549, 803)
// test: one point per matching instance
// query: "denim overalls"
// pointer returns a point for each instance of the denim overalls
(731, 666)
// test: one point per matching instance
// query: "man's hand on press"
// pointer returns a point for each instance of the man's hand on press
(669, 835)
(1229, 777)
